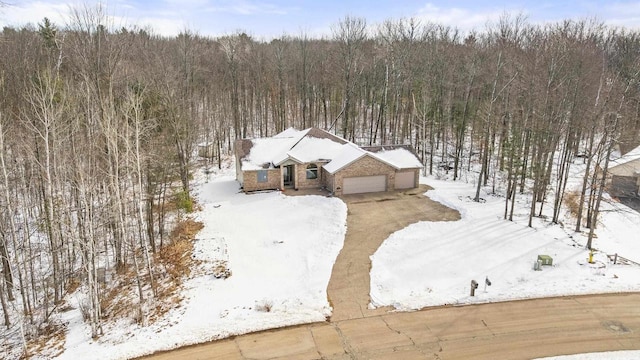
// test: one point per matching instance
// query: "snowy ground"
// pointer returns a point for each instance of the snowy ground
(611, 355)
(280, 251)
(433, 263)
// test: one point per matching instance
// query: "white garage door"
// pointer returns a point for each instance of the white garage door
(364, 184)
(405, 180)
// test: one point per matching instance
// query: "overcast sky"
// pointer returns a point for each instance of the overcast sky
(272, 18)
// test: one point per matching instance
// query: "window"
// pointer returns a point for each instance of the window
(312, 171)
(262, 176)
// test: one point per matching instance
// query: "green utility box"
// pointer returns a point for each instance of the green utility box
(545, 260)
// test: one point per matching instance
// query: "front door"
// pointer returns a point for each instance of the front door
(287, 175)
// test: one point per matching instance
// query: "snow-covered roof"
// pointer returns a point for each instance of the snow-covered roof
(349, 153)
(399, 158)
(310, 145)
(311, 149)
(265, 150)
(290, 132)
(626, 158)
(291, 143)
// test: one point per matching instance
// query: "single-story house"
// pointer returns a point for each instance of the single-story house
(624, 174)
(314, 158)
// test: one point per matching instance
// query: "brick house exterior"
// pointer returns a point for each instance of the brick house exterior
(314, 158)
(271, 180)
(365, 166)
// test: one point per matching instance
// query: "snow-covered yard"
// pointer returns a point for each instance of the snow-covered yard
(433, 263)
(280, 251)
(610, 355)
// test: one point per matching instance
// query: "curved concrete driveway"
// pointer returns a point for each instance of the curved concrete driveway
(371, 218)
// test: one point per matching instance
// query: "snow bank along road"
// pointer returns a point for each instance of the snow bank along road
(511, 330)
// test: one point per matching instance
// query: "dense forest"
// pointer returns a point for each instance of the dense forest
(99, 127)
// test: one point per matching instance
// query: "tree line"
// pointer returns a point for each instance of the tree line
(99, 125)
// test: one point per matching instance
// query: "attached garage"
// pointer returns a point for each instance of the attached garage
(405, 180)
(357, 171)
(364, 184)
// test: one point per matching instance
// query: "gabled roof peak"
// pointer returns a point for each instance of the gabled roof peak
(290, 133)
(314, 144)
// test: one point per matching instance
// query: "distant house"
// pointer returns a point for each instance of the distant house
(314, 158)
(624, 173)
(206, 149)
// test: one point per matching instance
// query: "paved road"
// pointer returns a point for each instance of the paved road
(511, 330)
(371, 219)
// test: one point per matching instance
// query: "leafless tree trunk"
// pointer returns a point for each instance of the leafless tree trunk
(350, 34)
